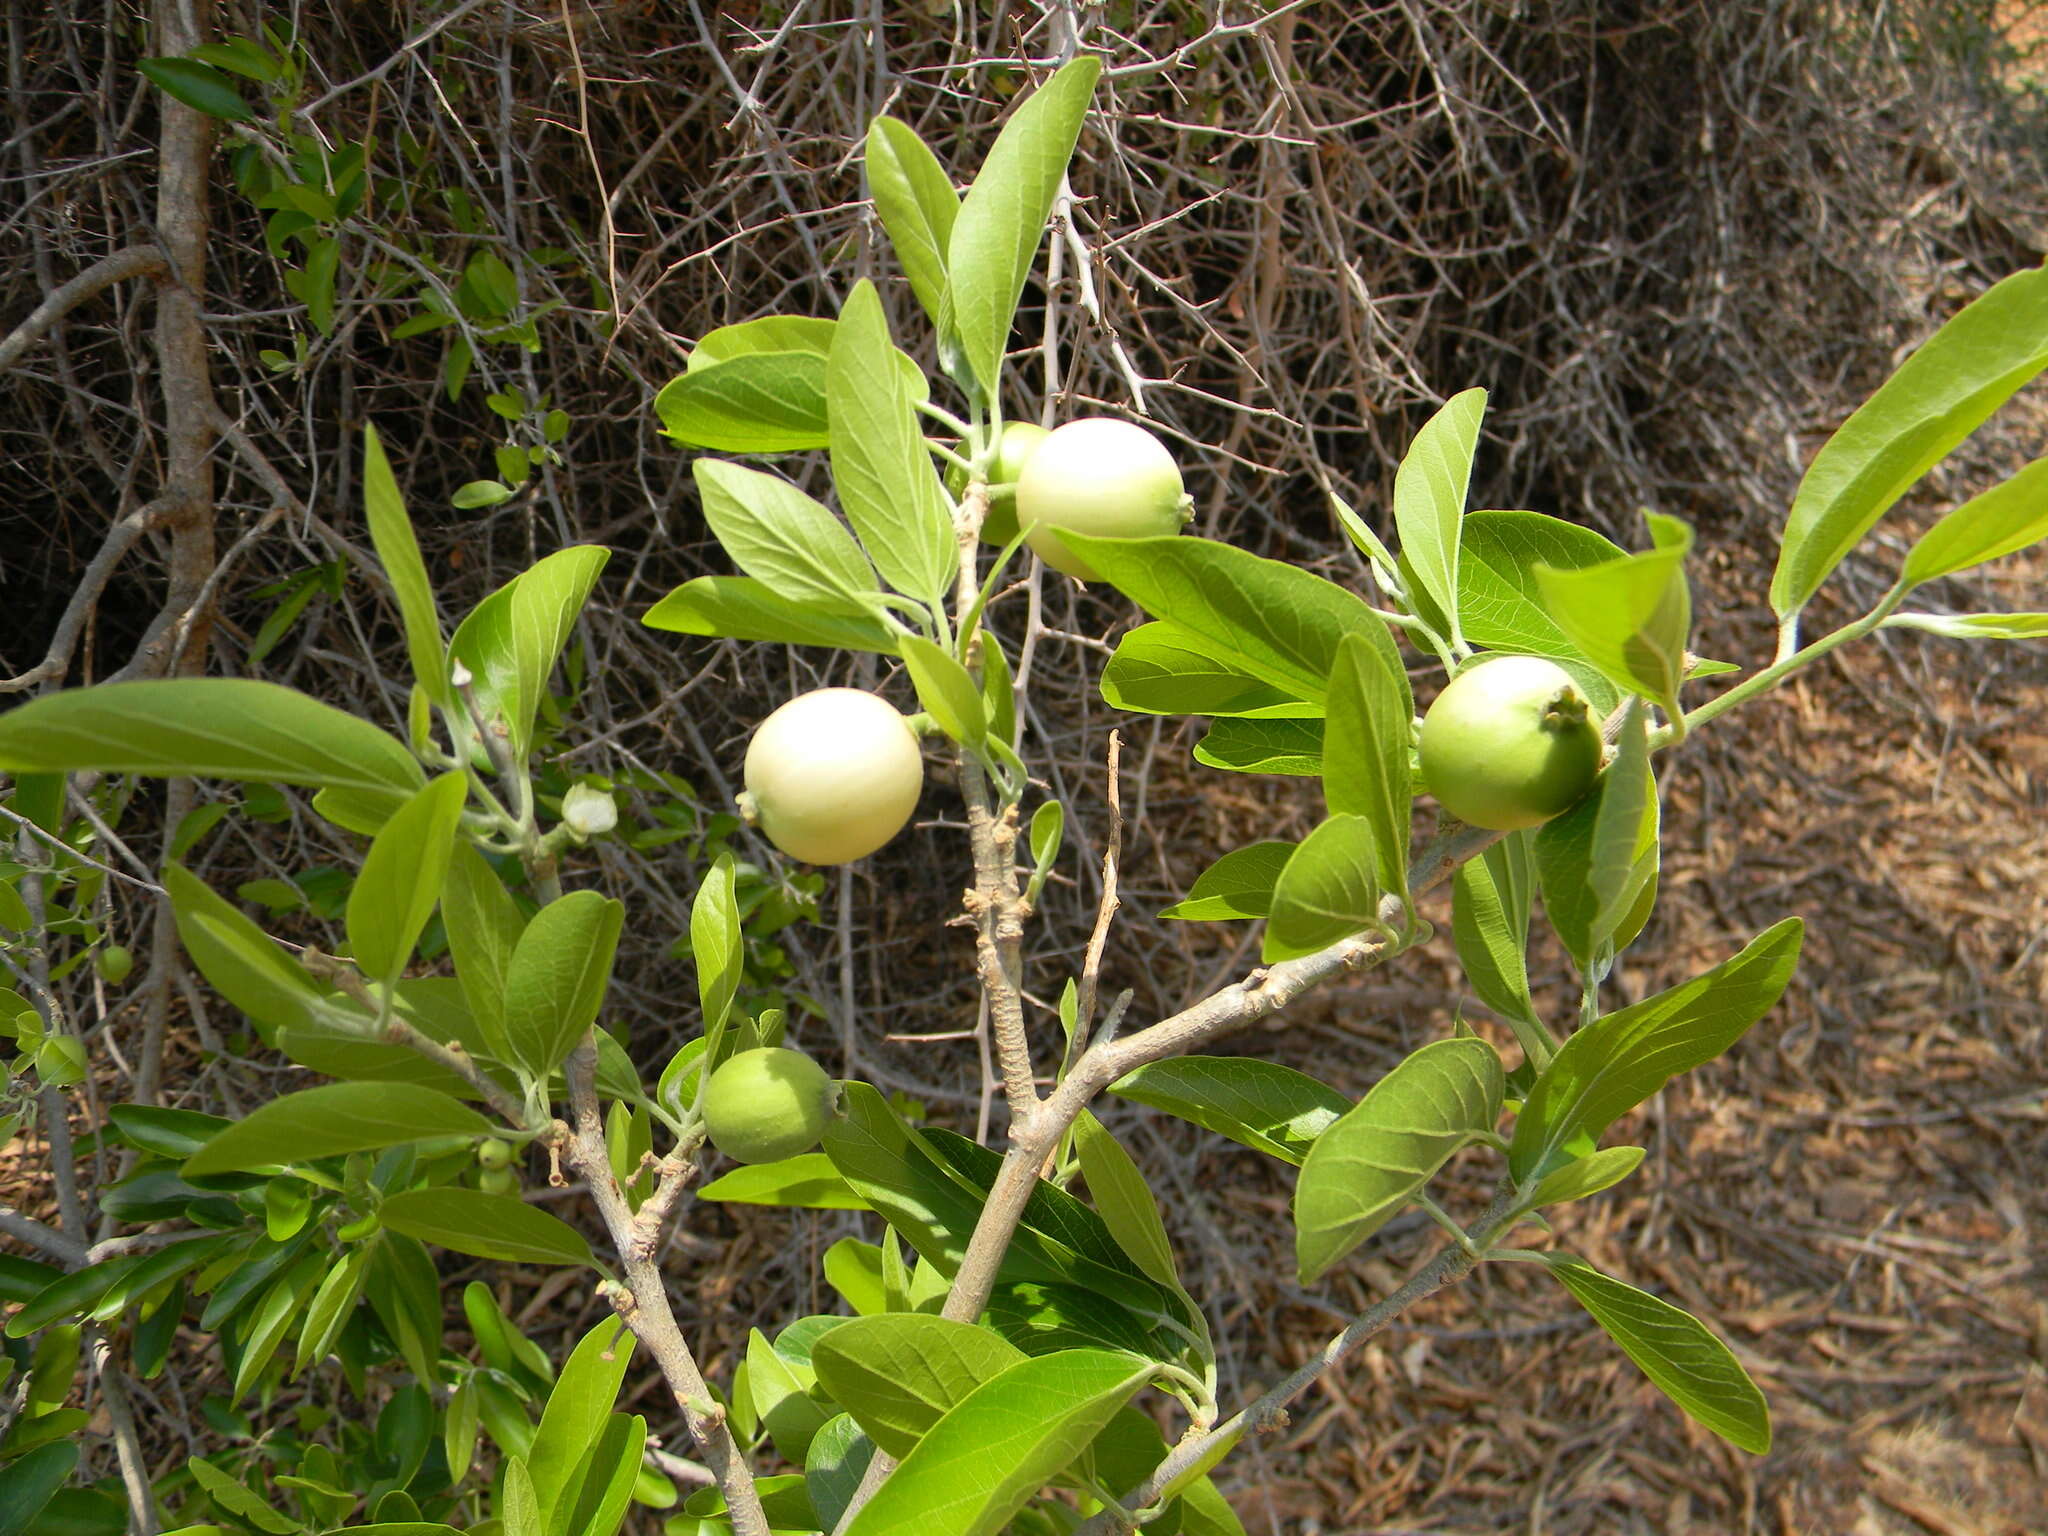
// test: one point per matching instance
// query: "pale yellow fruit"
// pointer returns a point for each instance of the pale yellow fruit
(833, 775)
(1097, 475)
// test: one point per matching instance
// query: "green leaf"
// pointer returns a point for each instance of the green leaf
(498, 1227)
(1617, 1062)
(834, 1467)
(331, 1307)
(855, 1270)
(1002, 218)
(1240, 884)
(1938, 397)
(483, 923)
(1587, 1175)
(1429, 495)
(519, 1503)
(985, 1459)
(755, 402)
(1259, 1104)
(31, 1482)
(881, 469)
(246, 968)
(1589, 878)
(741, 608)
(172, 1133)
(946, 691)
(771, 333)
(402, 876)
(1279, 623)
(807, 1181)
(604, 1482)
(792, 1416)
(1676, 1351)
(719, 949)
(1366, 741)
(916, 203)
(240, 1501)
(781, 537)
(200, 87)
(1630, 617)
(510, 641)
(1490, 903)
(480, 493)
(1264, 746)
(1164, 669)
(1499, 602)
(1327, 890)
(576, 1414)
(398, 551)
(324, 1122)
(2006, 518)
(272, 1318)
(1123, 1200)
(1975, 626)
(898, 1373)
(207, 727)
(558, 975)
(1380, 1154)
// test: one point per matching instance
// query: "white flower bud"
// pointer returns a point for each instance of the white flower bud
(589, 812)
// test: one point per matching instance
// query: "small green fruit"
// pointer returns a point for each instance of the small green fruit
(114, 963)
(1098, 475)
(767, 1104)
(1508, 744)
(1019, 440)
(833, 775)
(494, 1152)
(497, 1181)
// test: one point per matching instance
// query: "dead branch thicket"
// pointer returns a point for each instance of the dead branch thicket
(1676, 240)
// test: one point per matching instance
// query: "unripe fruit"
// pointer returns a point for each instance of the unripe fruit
(832, 775)
(494, 1152)
(1508, 744)
(114, 963)
(1102, 476)
(1019, 440)
(767, 1104)
(497, 1181)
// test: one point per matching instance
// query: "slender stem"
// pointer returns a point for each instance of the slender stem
(642, 1303)
(1450, 1265)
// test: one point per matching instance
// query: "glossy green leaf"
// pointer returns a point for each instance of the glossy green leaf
(1630, 617)
(602, 1485)
(770, 333)
(325, 1122)
(172, 1133)
(1281, 624)
(1327, 891)
(1500, 606)
(199, 86)
(247, 968)
(1625, 827)
(72, 1295)
(483, 924)
(22, 1278)
(519, 1501)
(1259, 1104)
(782, 1399)
(881, 469)
(272, 1319)
(400, 882)
(1490, 905)
(854, 1269)
(755, 402)
(1380, 1154)
(1975, 626)
(991, 1453)
(1937, 397)
(498, 1227)
(398, 551)
(1583, 864)
(238, 1500)
(1676, 1351)
(1612, 1065)
(1429, 495)
(207, 727)
(741, 608)
(1366, 741)
(1122, 1198)
(834, 1466)
(898, 1373)
(1240, 884)
(1264, 746)
(1002, 219)
(718, 948)
(2008, 517)
(807, 1181)
(329, 1310)
(576, 1414)
(546, 602)
(946, 691)
(782, 538)
(556, 982)
(1164, 669)
(1587, 1175)
(915, 200)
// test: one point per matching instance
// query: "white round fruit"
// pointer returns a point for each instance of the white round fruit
(833, 775)
(1098, 475)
